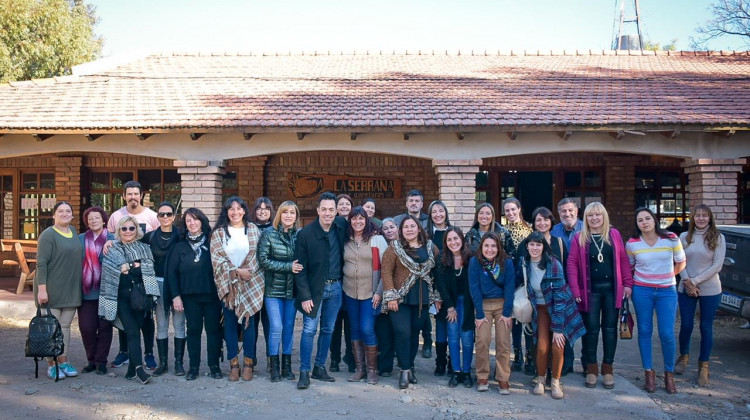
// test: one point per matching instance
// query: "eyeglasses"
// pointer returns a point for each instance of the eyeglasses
(165, 214)
(128, 228)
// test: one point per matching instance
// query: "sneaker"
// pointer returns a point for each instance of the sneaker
(504, 388)
(539, 387)
(68, 369)
(53, 373)
(150, 361)
(745, 326)
(90, 367)
(121, 359)
(482, 385)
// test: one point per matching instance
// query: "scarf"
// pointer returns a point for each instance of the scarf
(492, 269)
(196, 242)
(92, 268)
(417, 271)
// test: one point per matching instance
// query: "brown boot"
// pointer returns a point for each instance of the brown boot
(681, 365)
(650, 385)
(608, 377)
(592, 374)
(247, 369)
(669, 383)
(234, 369)
(358, 351)
(371, 361)
(702, 373)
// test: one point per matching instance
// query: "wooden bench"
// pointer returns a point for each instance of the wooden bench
(21, 247)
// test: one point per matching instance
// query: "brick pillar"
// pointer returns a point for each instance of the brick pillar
(201, 185)
(619, 194)
(457, 189)
(68, 185)
(251, 179)
(713, 182)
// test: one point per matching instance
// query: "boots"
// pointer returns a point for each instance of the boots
(179, 352)
(286, 367)
(142, 375)
(608, 377)
(650, 385)
(247, 369)
(234, 369)
(592, 375)
(681, 365)
(441, 360)
(556, 389)
(403, 380)
(517, 364)
(358, 352)
(371, 361)
(669, 383)
(162, 344)
(702, 373)
(274, 363)
(529, 368)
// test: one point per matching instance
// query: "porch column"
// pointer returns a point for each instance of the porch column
(68, 185)
(713, 182)
(201, 185)
(457, 185)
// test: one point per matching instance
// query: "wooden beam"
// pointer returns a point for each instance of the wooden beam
(353, 136)
(247, 136)
(512, 135)
(460, 135)
(300, 136)
(407, 136)
(41, 137)
(92, 137)
(195, 136)
(565, 135)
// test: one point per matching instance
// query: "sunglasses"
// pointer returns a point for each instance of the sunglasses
(128, 228)
(166, 214)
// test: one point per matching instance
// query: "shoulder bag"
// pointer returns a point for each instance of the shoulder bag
(626, 320)
(45, 338)
(522, 310)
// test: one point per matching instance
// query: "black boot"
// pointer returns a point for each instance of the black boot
(517, 364)
(455, 379)
(286, 367)
(441, 359)
(413, 377)
(275, 374)
(529, 368)
(162, 345)
(403, 380)
(130, 374)
(179, 353)
(319, 373)
(304, 380)
(142, 375)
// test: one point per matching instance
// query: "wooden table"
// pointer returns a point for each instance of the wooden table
(21, 247)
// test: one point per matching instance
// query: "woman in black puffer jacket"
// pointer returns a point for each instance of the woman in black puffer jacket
(276, 258)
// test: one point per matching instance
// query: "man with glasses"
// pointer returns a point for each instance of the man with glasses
(148, 221)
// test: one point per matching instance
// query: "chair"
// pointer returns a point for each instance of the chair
(27, 275)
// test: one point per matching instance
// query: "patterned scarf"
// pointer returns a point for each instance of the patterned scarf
(417, 271)
(492, 269)
(196, 242)
(92, 268)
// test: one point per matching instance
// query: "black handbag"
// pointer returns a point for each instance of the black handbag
(626, 321)
(139, 300)
(45, 339)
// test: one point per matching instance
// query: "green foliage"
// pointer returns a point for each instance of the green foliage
(656, 46)
(45, 38)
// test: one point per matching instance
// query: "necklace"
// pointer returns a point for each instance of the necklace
(460, 270)
(599, 248)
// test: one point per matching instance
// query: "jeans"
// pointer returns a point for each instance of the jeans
(281, 313)
(441, 330)
(261, 317)
(162, 317)
(96, 332)
(709, 305)
(361, 320)
(231, 324)
(459, 340)
(407, 322)
(326, 316)
(342, 325)
(663, 300)
(602, 315)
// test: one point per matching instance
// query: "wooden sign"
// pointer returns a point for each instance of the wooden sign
(357, 187)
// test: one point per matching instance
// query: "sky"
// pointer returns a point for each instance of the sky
(147, 26)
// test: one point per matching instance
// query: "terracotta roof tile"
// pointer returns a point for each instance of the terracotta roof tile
(381, 91)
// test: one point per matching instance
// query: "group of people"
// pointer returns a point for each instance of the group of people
(382, 278)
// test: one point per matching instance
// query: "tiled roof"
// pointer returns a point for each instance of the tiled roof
(370, 92)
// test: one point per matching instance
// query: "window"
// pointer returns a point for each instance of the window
(229, 185)
(663, 192)
(584, 186)
(105, 189)
(482, 182)
(37, 198)
(161, 185)
(6, 206)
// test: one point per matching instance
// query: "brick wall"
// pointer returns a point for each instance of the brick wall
(713, 182)
(250, 177)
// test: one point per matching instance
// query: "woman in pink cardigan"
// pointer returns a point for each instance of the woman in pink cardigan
(599, 277)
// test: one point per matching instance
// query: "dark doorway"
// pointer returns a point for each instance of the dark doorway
(534, 190)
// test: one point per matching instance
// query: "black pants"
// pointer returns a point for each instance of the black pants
(132, 322)
(342, 323)
(427, 331)
(406, 324)
(261, 317)
(384, 334)
(602, 315)
(200, 310)
(517, 332)
(148, 335)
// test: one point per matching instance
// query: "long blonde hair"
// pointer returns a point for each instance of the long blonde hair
(595, 207)
(282, 208)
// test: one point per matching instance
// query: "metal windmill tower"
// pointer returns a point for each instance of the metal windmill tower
(629, 13)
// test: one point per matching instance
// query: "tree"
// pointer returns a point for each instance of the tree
(656, 46)
(730, 17)
(45, 38)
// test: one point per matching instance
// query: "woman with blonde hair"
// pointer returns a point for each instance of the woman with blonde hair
(276, 258)
(599, 277)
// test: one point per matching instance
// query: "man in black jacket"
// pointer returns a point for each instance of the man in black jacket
(320, 250)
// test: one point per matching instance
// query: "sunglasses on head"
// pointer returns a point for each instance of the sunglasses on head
(165, 214)
(128, 228)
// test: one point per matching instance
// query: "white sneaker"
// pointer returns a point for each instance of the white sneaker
(539, 387)
(52, 372)
(68, 369)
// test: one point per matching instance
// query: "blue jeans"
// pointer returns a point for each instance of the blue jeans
(231, 335)
(709, 305)
(329, 308)
(663, 300)
(361, 320)
(441, 330)
(281, 313)
(460, 340)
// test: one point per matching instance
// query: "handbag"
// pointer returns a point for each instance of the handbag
(45, 339)
(626, 320)
(139, 300)
(522, 310)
